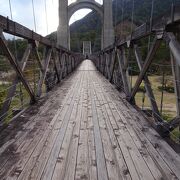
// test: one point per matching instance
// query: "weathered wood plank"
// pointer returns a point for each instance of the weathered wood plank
(30, 128)
(101, 164)
(95, 134)
(73, 150)
(161, 162)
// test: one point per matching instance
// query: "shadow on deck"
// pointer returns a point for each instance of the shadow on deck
(85, 129)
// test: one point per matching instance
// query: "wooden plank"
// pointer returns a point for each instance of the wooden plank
(29, 143)
(73, 150)
(131, 169)
(28, 128)
(123, 72)
(123, 170)
(36, 161)
(38, 149)
(47, 152)
(91, 140)
(43, 75)
(101, 127)
(66, 64)
(139, 163)
(101, 164)
(107, 59)
(114, 60)
(82, 165)
(91, 150)
(149, 161)
(37, 55)
(111, 161)
(61, 62)
(60, 168)
(151, 165)
(82, 157)
(161, 162)
(48, 171)
(166, 152)
(55, 58)
(63, 65)
(155, 170)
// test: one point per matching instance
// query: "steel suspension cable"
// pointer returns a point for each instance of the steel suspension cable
(152, 13)
(14, 39)
(10, 8)
(151, 23)
(132, 17)
(45, 7)
(34, 17)
(122, 18)
(115, 22)
(76, 36)
(96, 38)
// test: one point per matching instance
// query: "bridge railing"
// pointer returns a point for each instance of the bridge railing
(30, 66)
(143, 63)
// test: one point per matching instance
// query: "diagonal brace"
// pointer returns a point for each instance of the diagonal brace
(122, 69)
(12, 90)
(147, 85)
(148, 61)
(18, 70)
(43, 75)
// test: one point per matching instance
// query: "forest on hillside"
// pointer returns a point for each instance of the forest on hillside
(89, 28)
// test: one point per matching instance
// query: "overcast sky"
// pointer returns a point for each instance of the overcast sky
(22, 12)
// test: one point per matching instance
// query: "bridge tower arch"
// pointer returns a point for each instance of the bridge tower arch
(66, 11)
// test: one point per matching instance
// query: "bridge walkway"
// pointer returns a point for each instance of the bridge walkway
(85, 129)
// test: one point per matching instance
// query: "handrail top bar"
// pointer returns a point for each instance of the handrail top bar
(159, 24)
(14, 28)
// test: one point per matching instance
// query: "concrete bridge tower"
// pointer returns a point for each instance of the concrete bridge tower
(63, 30)
(65, 12)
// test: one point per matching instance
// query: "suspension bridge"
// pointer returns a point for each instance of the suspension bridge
(63, 116)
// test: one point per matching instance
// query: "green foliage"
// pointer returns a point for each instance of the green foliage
(17, 47)
(142, 12)
(142, 89)
(2, 94)
(169, 89)
(87, 29)
(3, 64)
(168, 85)
(167, 117)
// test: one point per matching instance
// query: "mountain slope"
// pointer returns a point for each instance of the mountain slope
(89, 28)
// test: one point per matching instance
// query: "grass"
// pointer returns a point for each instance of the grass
(169, 101)
(18, 102)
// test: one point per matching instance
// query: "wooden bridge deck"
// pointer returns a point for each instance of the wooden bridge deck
(85, 130)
